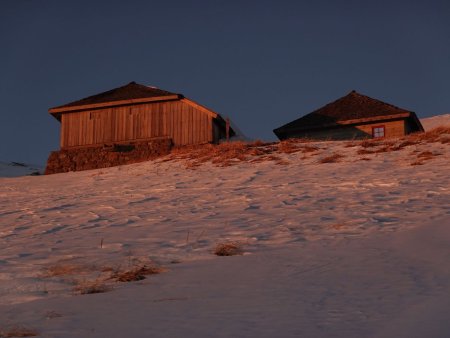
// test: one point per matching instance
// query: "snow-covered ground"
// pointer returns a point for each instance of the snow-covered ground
(429, 123)
(356, 248)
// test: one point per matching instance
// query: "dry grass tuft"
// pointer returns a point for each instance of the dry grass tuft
(282, 162)
(258, 143)
(228, 249)
(232, 153)
(294, 145)
(222, 155)
(309, 149)
(417, 162)
(61, 270)
(406, 143)
(375, 146)
(351, 144)
(424, 156)
(365, 151)
(338, 226)
(369, 143)
(136, 274)
(288, 147)
(386, 148)
(439, 134)
(332, 158)
(433, 135)
(18, 332)
(90, 287)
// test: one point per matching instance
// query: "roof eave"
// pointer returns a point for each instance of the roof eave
(198, 106)
(284, 129)
(58, 110)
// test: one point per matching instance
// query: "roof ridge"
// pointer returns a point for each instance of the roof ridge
(131, 90)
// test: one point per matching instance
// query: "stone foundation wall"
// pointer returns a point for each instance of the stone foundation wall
(76, 159)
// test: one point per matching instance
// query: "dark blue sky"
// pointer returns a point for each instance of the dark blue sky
(262, 63)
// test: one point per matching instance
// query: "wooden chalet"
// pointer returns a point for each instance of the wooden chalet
(134, 113)
(354, 116)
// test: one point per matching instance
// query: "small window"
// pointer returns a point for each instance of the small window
(378, 131)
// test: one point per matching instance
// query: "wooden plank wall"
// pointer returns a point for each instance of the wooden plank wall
(181, 122)
(391, 128)
(348, 132)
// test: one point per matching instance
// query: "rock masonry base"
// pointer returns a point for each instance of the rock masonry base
(108, 155)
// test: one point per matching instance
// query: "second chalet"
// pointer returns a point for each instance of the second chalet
(354, 116)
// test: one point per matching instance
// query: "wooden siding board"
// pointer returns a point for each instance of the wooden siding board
(62, 132)
(191, 126)
(210, 130)
(184, 123)
(164, 120)
(392, 129)
(179, 124)
(195, 121)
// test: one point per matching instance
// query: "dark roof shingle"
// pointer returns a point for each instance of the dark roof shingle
(130, 91)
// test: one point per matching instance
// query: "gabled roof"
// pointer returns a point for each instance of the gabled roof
(130, 93)
(349, 109)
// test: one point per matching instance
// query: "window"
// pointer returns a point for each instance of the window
(378, 131)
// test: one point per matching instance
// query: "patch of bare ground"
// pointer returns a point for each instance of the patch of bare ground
(289, 146)
(18, 332)
(433, 135)
(59, 270)
(231, 153)
(85, 287)
(136, 273)
(364, 151)
(382, 146)
(309, 149)
(351, 144)
(338, 226)
(221, 155)
(228, 249)
(370, 143)
(374, 146)
(281, 162)
(97, 279)
(331, 158)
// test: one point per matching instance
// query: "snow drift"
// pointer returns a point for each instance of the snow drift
(338, 239)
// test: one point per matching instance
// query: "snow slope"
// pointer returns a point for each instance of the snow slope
(14, 169)
(435, 121)
(348, 249)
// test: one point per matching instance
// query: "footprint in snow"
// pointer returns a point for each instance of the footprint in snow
(55, 229)
(384, 219)
(147, 199)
